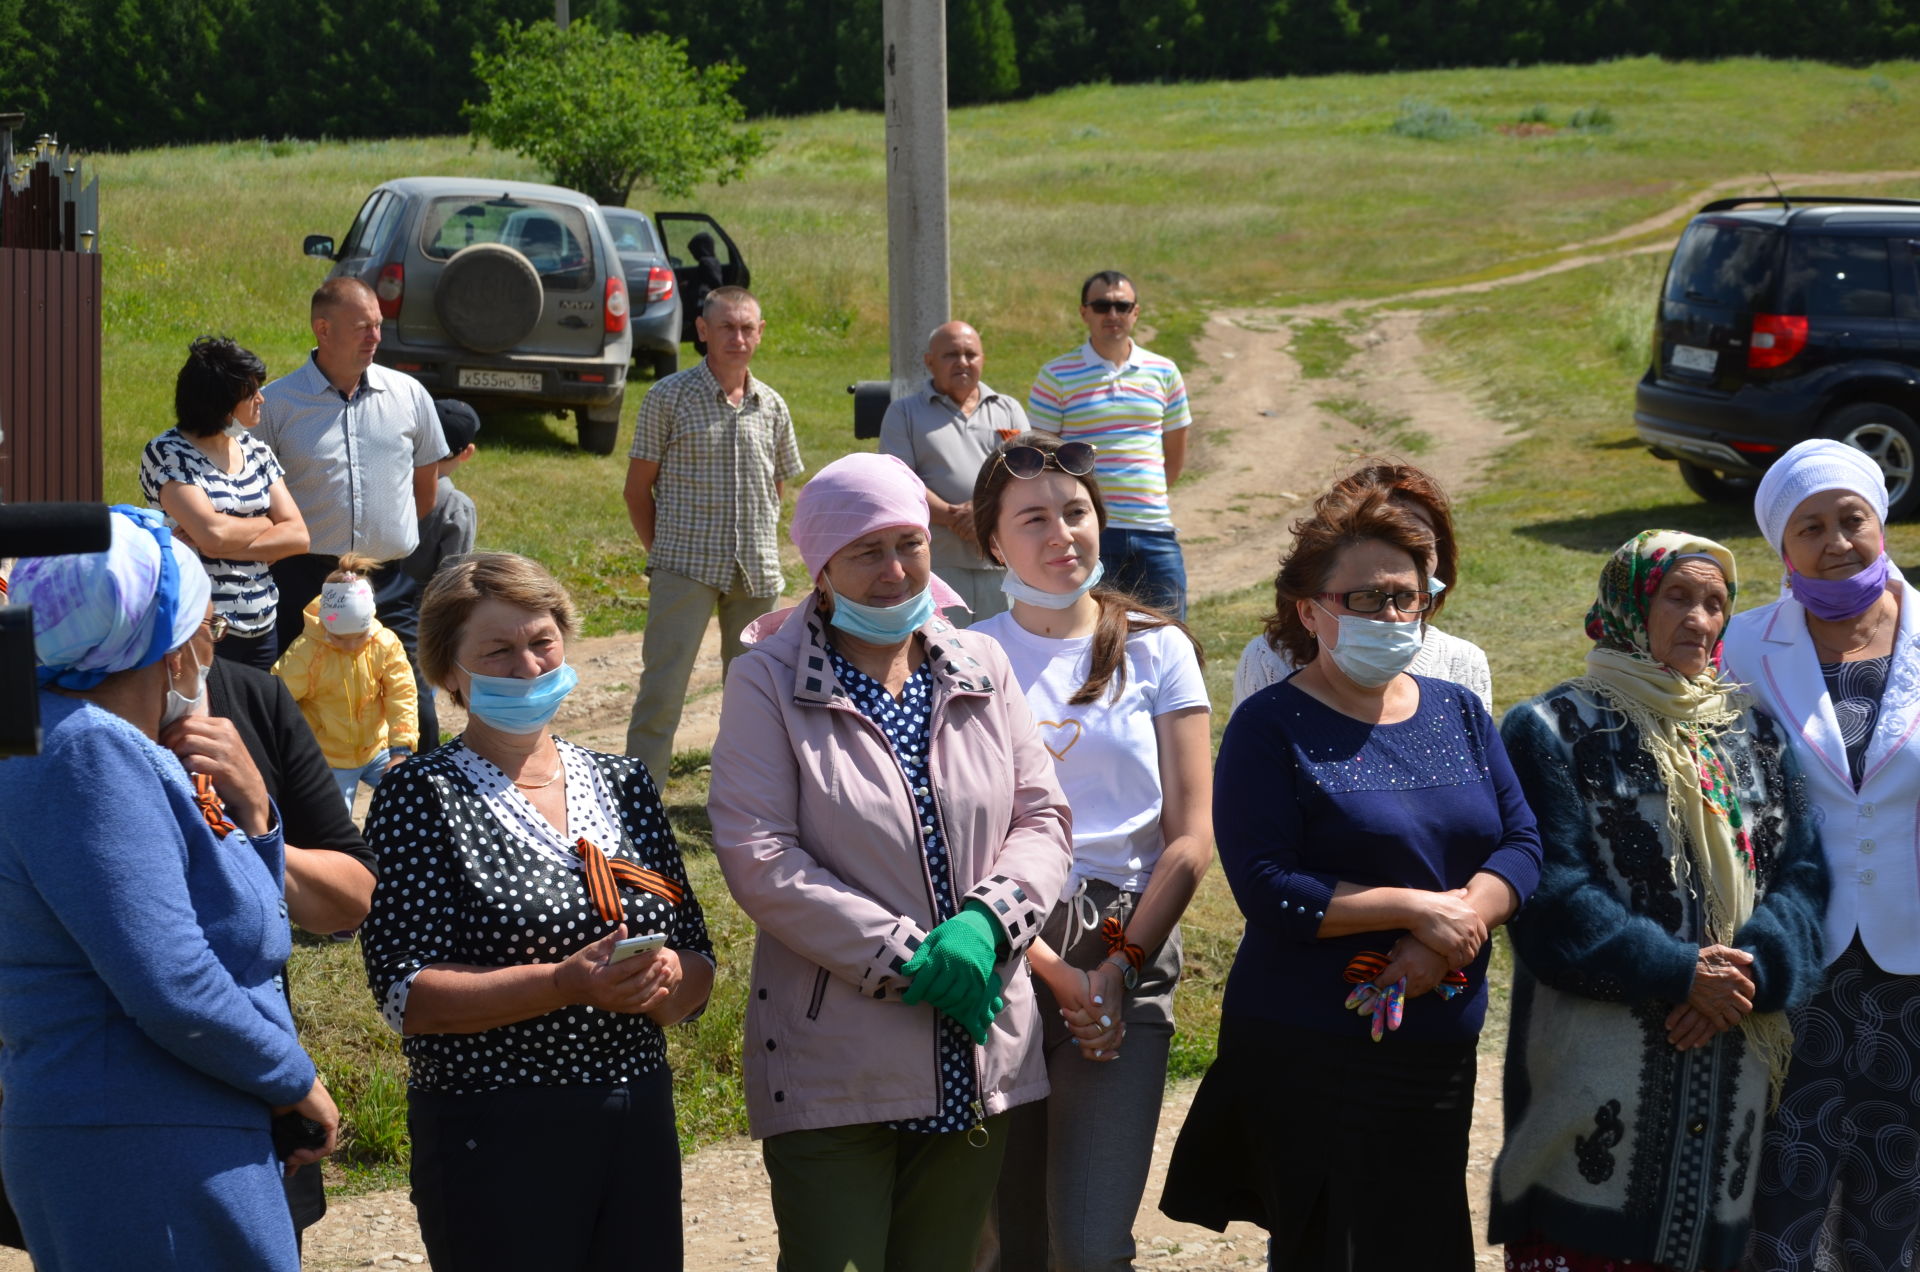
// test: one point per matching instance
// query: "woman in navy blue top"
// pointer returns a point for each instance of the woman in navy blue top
(1374, 834)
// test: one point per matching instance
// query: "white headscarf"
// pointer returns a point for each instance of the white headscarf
(102, 612)
(1809, 469)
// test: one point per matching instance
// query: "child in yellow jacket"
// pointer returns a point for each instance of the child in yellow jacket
(349, 674)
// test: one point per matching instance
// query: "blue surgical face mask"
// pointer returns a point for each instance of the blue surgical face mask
(1435, 586)
(882, 624)
(1372, 651)
(519, 706)
(1020, 590)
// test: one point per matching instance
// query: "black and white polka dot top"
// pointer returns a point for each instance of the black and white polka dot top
(472, 874)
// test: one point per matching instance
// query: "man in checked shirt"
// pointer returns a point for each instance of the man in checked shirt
(712, 452)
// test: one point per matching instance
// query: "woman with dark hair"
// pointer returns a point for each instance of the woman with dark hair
(1373, 833)
(225, 493)
(1123, 706)
(1442, 656)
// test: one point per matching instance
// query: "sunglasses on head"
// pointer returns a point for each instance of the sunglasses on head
(1075, 459)
(1112, 306)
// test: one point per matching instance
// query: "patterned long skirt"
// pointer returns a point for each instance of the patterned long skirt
(1840, 1178)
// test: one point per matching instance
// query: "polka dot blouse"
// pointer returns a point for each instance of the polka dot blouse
(471, 873)
(907, 724)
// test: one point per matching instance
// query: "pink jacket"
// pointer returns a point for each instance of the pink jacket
(816, 832)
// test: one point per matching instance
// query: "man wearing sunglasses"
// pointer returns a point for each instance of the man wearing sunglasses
(944, 431)
(1132, 406)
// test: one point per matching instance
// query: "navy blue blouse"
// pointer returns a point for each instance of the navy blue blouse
(1306, 798)
(907, 725)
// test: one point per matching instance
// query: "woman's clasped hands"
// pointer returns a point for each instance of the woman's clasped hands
(952, 971)
(1720, 997)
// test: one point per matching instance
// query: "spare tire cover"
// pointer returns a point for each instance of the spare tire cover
(488, 297)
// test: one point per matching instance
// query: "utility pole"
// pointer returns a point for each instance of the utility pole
(560, 14)
(914, 33)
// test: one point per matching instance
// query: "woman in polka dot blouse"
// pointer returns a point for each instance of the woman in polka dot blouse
(540, 1104)
(885, 811)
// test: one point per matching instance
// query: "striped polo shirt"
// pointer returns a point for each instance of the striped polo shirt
(1123, 410)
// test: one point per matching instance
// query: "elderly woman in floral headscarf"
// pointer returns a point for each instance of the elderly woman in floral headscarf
(1678, 916)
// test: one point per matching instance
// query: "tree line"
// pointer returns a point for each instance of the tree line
(118, 74)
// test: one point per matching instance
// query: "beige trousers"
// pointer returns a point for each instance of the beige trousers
(677, 615)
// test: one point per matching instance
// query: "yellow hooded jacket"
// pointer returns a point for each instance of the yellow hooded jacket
(358, 702)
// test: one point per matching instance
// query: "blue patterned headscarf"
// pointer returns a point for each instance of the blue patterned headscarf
(102, 612)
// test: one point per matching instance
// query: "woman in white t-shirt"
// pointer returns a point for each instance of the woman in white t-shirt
(1117, 691)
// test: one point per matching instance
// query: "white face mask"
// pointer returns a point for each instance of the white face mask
(1372, 651)
(1020, 590)
(179, 705)
(346, 607)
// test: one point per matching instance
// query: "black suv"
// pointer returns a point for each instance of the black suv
(1781, 322)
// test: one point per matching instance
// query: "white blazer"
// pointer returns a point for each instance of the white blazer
(1871, 836)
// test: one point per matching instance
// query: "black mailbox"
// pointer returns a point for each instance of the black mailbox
(870, 401)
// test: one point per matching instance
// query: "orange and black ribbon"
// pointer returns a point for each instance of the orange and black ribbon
(210, 806)
(1115, 934)
(605, 876)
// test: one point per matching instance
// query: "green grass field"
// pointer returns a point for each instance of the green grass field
(1209, 195)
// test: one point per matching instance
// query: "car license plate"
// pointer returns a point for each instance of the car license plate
(509, 381)
(1688, 358)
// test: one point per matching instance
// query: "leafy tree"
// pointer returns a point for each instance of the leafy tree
(602, 110)
(982, 64)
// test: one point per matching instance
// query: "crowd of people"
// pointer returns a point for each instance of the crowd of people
(965, 791)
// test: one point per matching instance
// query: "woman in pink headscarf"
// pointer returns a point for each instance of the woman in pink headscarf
(886, 813)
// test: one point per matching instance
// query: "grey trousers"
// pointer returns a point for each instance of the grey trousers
(677, 614)
(1077, 1161)
(980, 589)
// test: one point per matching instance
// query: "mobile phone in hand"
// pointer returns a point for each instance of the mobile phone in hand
(293, 1131)
(626, 949)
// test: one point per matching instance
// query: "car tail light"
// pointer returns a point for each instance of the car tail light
(1777, 340)
(659, 283)
(390, 287)
(616, 306)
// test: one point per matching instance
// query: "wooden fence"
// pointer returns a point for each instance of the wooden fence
(50, 442)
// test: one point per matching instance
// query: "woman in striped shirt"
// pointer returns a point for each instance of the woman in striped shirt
(224, 492)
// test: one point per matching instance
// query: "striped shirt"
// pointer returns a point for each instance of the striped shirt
(1124, 411)
(242, 590)
(350, 460)
(717, 511)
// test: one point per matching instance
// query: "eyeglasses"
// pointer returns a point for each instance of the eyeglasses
(217, 627)
(1112, 306)
(1075, 459)
(1372, 600)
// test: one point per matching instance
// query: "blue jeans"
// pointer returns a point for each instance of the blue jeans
(370, 773)
(1147, 564)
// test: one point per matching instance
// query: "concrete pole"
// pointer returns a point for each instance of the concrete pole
(560, 16)
(914, 33)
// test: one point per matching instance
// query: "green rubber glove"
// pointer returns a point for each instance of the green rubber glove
(977, 1026)
(953, 969)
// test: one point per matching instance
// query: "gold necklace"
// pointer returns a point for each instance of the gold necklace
(1872, 636)
(540, 786)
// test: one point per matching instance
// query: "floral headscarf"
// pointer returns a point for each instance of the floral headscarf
(1618, 619)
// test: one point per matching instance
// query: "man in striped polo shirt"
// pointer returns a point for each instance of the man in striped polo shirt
(1132, 405)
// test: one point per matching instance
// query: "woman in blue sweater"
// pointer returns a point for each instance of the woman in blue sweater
(1678, 915)
(1373, 833)
(147, 1044)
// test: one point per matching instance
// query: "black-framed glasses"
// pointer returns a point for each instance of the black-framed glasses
(1075, 459)
(1112, 306)
(1372, 600)
(217, 627)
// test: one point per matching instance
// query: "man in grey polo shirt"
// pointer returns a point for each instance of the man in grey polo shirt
(944, 430)
(360, 444)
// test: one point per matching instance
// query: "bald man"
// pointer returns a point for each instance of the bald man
(945, 430)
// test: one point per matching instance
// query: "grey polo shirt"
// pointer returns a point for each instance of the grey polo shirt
(946, 448)
(350, 459)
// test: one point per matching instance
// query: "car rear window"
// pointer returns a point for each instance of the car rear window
(1724, 262)
(1839, 276)
(552, 236)
(632, 236)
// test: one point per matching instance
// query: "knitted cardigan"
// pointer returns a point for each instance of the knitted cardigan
(1617, 1144)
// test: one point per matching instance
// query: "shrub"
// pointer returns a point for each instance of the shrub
(1425, 121)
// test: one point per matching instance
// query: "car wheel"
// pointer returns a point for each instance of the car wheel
(665, 364)
(1717, 487)
(488, 297)
(1891, 440)
(599, 428)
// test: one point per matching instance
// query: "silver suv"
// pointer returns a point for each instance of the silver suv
(501, 293)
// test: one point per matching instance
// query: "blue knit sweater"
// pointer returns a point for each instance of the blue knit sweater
(139, 955)
(1305, 798)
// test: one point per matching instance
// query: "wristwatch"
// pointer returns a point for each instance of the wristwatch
(1128, 976)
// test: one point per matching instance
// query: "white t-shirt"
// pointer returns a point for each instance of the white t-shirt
(1106, 753)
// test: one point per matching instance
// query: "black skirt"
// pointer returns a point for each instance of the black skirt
(1352, 1154)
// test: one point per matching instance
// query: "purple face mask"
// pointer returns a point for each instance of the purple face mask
(1835, 599)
